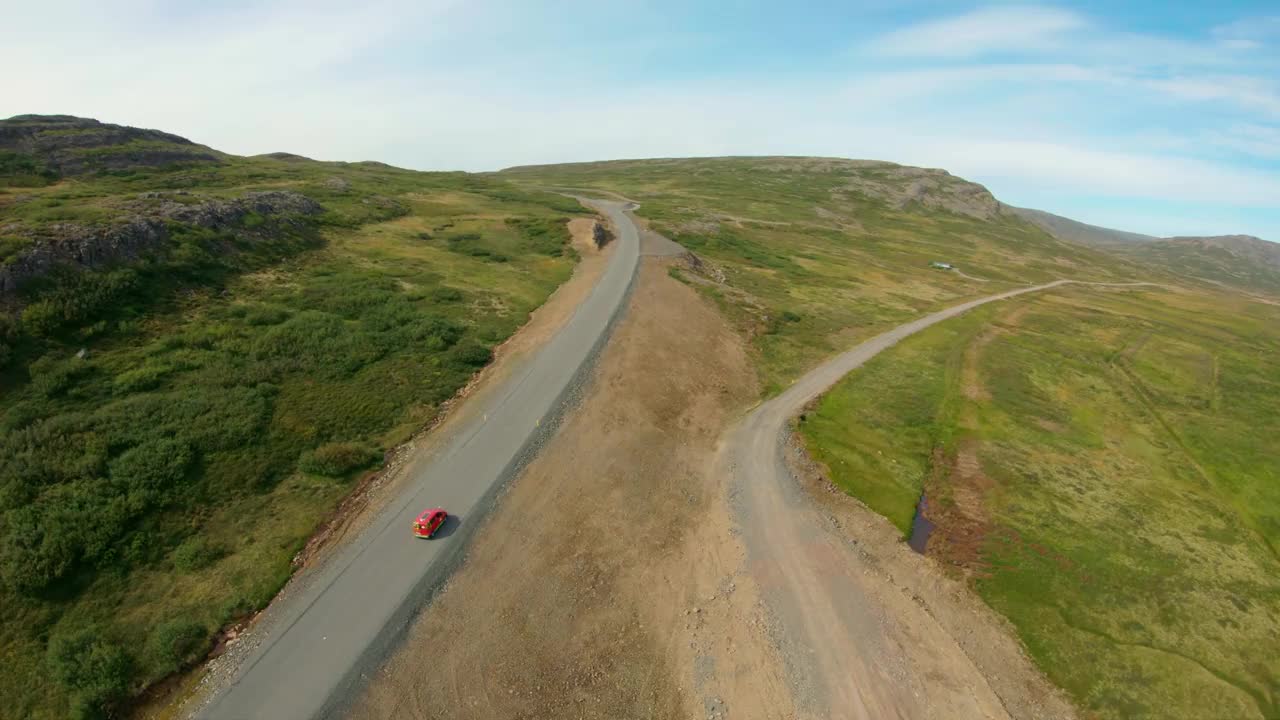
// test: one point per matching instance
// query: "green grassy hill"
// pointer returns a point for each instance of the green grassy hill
(809, 255)
(199, 354)
(1102, 465)
(1084, 233)
(1240, 262)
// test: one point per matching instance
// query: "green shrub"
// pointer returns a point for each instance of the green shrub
(146, 377)
(315, 342)
(95, 671)
(74, 298)
(447, 294)
(197, 553)
(545, 236)
(176, 644)
(35, 551)
(11, 247)
(147, 475)
(51, 376)
(473, 354)
(337, 459)
(265, 315)
(41, 318)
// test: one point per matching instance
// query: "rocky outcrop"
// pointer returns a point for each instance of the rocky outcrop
(83, 247)
(218, 214)
(285, 156)
(901, 186)
(898, 186)
(147, 231)
(70, 145)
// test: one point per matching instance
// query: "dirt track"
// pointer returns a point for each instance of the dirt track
(867, 628)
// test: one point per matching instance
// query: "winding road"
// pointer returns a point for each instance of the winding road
(316, 645)
(843, 647)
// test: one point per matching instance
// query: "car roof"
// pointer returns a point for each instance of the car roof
(428, 513)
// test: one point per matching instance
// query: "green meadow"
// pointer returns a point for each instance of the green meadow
(1104, 466)
(806, 262)
(231, 390)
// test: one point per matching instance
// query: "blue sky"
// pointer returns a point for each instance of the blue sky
(1157, 117)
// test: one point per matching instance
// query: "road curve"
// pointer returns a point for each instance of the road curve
(840, 647)
(338, 626)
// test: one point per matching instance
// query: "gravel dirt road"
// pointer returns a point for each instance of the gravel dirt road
(314, 647)
(866, 628)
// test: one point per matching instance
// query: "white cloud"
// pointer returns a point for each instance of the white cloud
(984, 31)
(1112, 173)
(1247, 92)
(1257, 140)
(1251, 33)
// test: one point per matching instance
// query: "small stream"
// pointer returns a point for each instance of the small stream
(921, 527)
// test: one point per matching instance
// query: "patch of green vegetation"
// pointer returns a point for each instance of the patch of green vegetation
(1125, 456)
(157, 486)
(20, 170)
(11, 247)
(337, 459)
(877, 434)
(805, 238)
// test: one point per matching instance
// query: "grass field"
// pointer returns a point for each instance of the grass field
(1105, 467)
(1102, 464)
(809, 255)
(159, 486)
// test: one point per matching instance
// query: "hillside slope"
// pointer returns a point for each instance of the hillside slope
(200, 354)
(1065, 228)
(1235, 261)
(810, 254)
(1100, 464)
(1242, 262)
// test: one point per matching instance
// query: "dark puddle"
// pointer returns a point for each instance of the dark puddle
(921, 528)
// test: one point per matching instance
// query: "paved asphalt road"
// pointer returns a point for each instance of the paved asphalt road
(339, 624)
(834, 643)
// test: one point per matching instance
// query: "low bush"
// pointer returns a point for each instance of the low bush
(473, 354)
(196, 553)
(265, 315)
(147, 377)
(337, 459)
(175, 644)
(446, 294)
(545, 236)
(51, 376)
(95, 671)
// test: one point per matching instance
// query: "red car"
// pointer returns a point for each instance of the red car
(429, 522)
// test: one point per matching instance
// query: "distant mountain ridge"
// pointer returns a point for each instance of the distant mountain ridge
(1241, 261)
(1065, 228)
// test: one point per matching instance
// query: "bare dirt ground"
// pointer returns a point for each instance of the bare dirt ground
(602, 584)
(944, 653)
